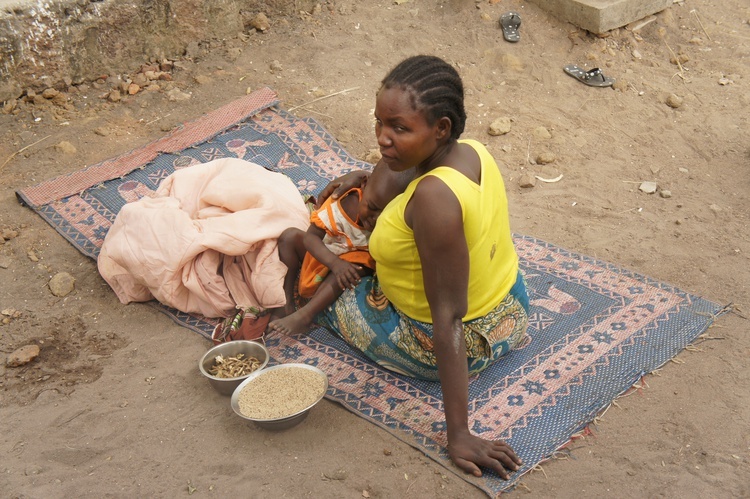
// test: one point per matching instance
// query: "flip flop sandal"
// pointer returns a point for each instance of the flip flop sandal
(592, 78)
(509, 22)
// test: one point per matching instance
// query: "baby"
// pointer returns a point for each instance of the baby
(333, 253)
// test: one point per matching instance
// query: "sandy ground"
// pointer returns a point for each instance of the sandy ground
(115, 407)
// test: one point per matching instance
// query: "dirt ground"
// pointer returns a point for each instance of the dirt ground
(115, 406)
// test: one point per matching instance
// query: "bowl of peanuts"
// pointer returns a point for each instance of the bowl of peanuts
(226, 365)
(281, 396)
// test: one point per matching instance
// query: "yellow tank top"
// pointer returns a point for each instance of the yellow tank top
(493, 263)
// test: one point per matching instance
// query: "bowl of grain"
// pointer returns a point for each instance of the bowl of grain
(281, 396)
(228, 364)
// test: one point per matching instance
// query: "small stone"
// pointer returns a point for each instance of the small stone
(541, 133)
(177, 95)
(373, 156)
(133, 88)
(500, 126)
(648, 187)
(725, 81)
(5, 261)
(202, 79)
(9, 234)
(66, 147)
(275, 66)
(636, 54)
(665, 193)
(507, 148)
(101, 131)
(683, 170)
(696, 41)
(32, 256)
(114, 96)
(62, 284)
(680, 59)
(22, 356)
(674, 101)
(50, 93)
(260, 23)
(527, 180)
(485, 16)
(620, 85)
(345, 135)
(715, 208)
(140, 80)
(545, 157)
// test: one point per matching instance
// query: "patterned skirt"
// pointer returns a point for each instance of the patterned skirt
(364, 318)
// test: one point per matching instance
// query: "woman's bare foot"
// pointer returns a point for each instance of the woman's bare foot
(294, 323)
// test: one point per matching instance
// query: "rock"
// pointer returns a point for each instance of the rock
(674, 101)
(234, 53)
(275, 66)
(114, 95)
(202, 79)
(648, 187)
(50, 93)
(545, 157)
(101, 131)
(541, 133)
(373, 156)
(679, 59)
(527, 180)
(177, 95)
(345, 135)
(9, 234)
(620, 85)
(260, 23)
(500, 126)
(66, 147)
(32, 256)
(22, 356)
(140, 79)
(133, 88)
(666, 194)
(5, 261)
(62, 284)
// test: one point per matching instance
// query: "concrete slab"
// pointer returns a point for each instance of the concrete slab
(600, 16)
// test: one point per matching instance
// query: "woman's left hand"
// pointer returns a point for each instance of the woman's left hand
(469, 452)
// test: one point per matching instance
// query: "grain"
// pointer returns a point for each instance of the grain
(279, 393)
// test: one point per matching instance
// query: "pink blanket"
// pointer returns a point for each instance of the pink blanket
(206, 242)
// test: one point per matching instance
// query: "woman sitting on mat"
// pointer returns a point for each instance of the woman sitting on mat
(447, 299)
(332, 255)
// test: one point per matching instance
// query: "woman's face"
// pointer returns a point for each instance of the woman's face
(405, 137)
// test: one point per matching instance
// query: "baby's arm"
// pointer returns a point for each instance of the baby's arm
(346, 273)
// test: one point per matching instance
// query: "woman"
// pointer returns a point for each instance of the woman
(448, 299)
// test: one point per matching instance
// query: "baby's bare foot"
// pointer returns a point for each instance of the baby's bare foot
(291, 324)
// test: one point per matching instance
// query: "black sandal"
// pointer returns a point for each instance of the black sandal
(592, 78)
(509, 22)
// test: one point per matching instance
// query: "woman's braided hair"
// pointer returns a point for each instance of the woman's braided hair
(435, 88)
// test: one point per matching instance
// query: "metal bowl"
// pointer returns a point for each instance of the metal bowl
(284, 422)
(226, 386)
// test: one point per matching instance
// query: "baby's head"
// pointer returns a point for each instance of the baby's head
(382, 186)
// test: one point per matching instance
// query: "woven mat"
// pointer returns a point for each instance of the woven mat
(595, 328)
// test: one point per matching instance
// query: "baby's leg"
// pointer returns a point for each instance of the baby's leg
(300, 321)
(291, 253)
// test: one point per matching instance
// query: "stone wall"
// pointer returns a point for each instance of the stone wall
(56, 43)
